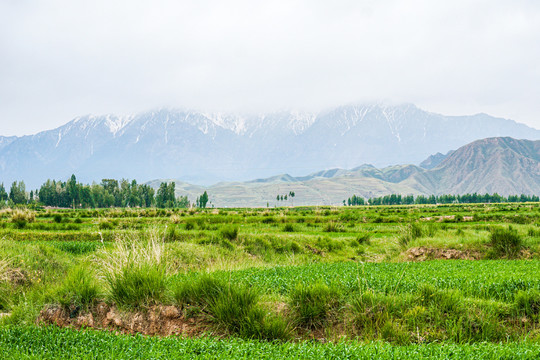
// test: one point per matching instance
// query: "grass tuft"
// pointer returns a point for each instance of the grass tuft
(311, 305)
(229, 232)
(79, 288)
(136, 272)
(506, 242)
(231, 307)
(527, 302)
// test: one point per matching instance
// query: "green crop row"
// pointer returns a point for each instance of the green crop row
(490, 279)
(55, 343)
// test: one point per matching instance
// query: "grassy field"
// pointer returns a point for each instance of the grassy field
(397, 281)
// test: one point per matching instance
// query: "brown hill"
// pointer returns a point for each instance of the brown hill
(500, 165)
(495, 165)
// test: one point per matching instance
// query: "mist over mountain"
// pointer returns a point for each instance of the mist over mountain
(206, 148)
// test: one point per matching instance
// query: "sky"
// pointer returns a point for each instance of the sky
(62, 59)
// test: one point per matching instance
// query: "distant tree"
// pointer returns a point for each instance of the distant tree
(161, 196)
(171, 197)
(182, 202)
(73, 191)
(3, 194)
(202, 200)
(17, 193)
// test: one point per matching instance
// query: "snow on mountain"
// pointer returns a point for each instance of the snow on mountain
(203, 147)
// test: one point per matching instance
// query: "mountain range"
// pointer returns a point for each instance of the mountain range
(500, 165)
(209, 148)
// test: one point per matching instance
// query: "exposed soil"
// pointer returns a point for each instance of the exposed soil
(157, 320)
(424, 253)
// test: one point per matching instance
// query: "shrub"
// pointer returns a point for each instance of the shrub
(79, 288)
(57, 218)
(229, 232)
(311, 304)
(135, 271)
(505, 242)
(175, 219)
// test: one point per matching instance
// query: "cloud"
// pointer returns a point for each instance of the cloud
(61, 59)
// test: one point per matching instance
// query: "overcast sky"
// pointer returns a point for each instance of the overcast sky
(61, 59)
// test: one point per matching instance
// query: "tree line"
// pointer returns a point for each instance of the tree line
(109, 193)
(397, 199)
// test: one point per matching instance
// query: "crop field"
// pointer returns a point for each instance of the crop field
(418, 281)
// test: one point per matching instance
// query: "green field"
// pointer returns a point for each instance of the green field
(448, 281)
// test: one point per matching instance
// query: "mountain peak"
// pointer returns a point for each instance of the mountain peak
(207, 147)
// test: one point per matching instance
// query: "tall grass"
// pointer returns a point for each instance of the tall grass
(506, 242)
(229, 232)
(4, 288)
(136, 271)
(311, 305)
(79, 288)
(22, 217)
(232, 308)
(528, 302)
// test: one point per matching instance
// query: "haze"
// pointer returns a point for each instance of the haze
(61, 59)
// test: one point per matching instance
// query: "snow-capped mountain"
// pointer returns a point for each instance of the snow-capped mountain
(206, 148)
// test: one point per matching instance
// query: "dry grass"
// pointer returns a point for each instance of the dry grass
(19, 215)
(136, 270)
(4, 270)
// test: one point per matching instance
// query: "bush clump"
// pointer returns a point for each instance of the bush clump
(288, 228)
(22, 217)
(311, 305)
(505, 242)
(527, 302)
(231, 307)
(333, 227)
(79, 288)
(229, 232)
(136, 272)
